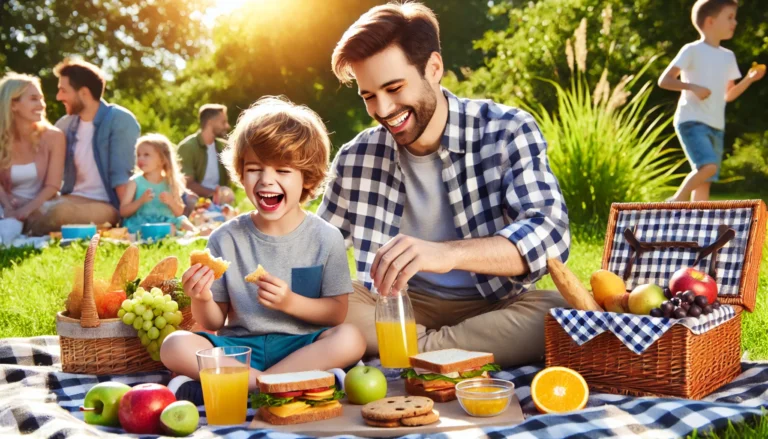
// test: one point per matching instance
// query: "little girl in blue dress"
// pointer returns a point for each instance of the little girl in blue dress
(154, 195)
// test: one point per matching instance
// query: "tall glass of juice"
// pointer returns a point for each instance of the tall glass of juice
(224, 377)
(395, 329)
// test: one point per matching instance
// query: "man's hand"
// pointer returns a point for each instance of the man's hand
(274, 293)
(197, 281)
(701, 92)
(147, 196)
(404, 256)
(166, 198)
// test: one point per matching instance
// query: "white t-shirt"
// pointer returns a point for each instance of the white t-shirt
(88, 182)
(211, 178)
(710, 67)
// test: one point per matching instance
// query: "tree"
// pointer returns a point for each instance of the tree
(134, 40)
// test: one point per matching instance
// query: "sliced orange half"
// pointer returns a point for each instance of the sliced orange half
(559, 390)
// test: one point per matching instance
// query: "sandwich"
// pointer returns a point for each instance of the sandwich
(295, 398)
(256, 275)
(435, 374)
(204, 257)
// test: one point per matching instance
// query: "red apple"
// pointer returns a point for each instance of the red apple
(699, 282)
(141, 407)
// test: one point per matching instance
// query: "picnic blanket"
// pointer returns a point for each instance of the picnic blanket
(37, 398)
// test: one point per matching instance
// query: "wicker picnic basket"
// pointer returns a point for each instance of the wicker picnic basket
(101, 347)
(680, 363)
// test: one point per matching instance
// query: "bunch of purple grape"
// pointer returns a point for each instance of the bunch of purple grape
(684, 304)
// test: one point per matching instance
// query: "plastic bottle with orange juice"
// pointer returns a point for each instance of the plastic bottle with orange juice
(395, 329)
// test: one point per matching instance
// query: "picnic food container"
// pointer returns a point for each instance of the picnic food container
(78, 231)
(155, 231)
(664, 238)
(484, 397)
(100, 347)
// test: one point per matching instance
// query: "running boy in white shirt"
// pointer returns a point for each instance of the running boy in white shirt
(707, 74)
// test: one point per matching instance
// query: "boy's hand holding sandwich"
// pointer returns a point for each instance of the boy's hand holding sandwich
(274, 293)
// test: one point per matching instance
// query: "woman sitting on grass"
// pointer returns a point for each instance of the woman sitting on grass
(31, 154)
(154, 195)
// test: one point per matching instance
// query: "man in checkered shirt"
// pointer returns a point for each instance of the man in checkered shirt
(453, 198)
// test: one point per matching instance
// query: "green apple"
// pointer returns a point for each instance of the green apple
(644, 298)
(180, 418)
(364, 384)
(102, 403)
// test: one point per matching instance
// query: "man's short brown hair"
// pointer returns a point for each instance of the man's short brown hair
(704, 9)
(82, 74)
(208, 112)
(281, 133)
(411, 26)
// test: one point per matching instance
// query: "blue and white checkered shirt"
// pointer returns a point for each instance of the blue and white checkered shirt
(498, 180)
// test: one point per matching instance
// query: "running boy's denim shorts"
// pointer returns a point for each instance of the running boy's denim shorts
(703, 145)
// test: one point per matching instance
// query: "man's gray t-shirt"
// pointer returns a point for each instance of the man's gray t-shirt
(312, 260)
(427, 215)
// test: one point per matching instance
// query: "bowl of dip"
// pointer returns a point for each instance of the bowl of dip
(484, 397)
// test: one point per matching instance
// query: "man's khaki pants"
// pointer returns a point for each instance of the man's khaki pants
(512, 329)
(70, 209)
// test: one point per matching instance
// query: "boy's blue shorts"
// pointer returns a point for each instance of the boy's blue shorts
(266, 350)
(703, 145)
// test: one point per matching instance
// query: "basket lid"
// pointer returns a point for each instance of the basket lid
(648, 242)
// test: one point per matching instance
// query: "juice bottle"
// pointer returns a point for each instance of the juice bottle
(395, 329)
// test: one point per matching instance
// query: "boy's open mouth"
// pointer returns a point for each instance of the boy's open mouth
(269, 200)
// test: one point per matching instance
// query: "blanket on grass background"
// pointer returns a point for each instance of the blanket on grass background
(38, 399)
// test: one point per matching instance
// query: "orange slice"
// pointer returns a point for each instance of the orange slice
(559, 390)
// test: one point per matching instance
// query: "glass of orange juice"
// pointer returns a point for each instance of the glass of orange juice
(224, 377)
(395, 329)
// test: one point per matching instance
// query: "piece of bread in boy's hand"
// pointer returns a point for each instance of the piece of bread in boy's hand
(204, 257)
(127, 268)
(256, 275)
(163, 271)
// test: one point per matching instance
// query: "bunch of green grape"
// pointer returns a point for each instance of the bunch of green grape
(154, 315)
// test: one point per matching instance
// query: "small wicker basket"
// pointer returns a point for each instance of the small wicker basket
(102, 347)
(680, 363)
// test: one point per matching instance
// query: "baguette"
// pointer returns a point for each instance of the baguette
(127, 268)
(164, 270)
(572, 290)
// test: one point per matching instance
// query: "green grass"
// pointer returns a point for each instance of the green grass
(755, 428)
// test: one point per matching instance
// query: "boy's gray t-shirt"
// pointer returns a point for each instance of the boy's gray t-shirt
(312, 260)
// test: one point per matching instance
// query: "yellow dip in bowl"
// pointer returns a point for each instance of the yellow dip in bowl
(484, 396)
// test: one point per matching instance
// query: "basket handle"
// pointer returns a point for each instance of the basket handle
(89, 317)
(637, 247)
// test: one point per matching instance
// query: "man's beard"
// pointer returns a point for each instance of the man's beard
(222, 132)
(76, 107)
(421, 114)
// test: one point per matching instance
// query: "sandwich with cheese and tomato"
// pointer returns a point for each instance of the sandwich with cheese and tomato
(295, 398)
(435, 374)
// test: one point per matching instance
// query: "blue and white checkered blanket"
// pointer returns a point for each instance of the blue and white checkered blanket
(635, 331)
(37, 398)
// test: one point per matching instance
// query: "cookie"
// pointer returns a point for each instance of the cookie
(382, 424)
(415, 421)
(397, 407)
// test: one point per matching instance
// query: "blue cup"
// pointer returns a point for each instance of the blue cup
(155, 231)
(78, 231)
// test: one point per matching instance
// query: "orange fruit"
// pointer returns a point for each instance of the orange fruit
(559, 390)
(606, 284)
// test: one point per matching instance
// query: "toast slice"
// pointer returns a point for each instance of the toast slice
(312, 414)
(450, 360)
(204, 257)
(290, 382)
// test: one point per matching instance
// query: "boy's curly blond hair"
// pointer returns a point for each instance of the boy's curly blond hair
(282, 133)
